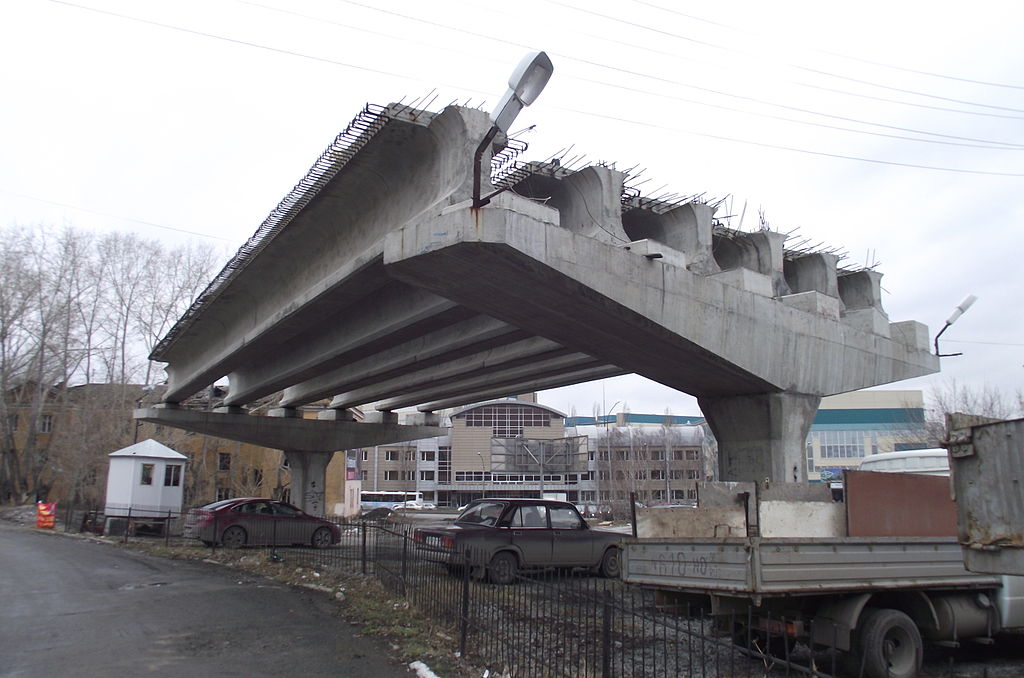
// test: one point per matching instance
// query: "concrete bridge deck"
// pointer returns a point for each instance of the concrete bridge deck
(377, 284)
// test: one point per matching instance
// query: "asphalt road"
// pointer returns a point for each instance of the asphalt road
(75, 607)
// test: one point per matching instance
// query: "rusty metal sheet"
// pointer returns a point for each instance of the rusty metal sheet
(898, 505)
(987, 462)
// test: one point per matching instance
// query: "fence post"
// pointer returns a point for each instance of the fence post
(464, 626)
(167, 529)
(127, 524)
(405, 559)
(362, 545)
(606, 635)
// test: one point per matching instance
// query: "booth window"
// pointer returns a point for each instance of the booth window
(172, 475)
(147, 474)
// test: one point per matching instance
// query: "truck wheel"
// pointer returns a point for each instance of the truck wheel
(888, 645)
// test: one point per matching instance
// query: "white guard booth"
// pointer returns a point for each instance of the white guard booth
(144, 483)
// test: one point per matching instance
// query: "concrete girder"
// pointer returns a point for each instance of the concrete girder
(472, 336)
(503, 380)
(537, 384)
(416, 162)
(686, 228)
(399, 314)
(496, 363)
(588, 201)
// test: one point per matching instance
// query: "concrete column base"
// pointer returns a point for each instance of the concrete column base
(761, 436)
(309, 479)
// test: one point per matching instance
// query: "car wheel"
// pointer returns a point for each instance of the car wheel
(322, 538)
(888, 645)
(502, 569)
(611, 563)
(234, 537)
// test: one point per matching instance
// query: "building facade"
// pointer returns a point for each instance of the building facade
(852, 426)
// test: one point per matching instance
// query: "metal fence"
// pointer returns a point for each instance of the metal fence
(551, 623)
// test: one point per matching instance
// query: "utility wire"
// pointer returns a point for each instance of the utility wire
(522, 46)
(115, 216)
(931, 74)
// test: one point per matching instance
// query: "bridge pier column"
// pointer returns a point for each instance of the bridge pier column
(309, 479)
(761, 436)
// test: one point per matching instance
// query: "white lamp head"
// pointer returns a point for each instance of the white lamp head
(524, 86)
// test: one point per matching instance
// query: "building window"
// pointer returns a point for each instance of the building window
(408, 475)
(363, 476)
(691, 474)
(657, 455)
(390, 475)
(46, 423)
(390, 455)
(223, 461)
(147, 474)
(223, 493)
(172, 475)
(427, 455)
(657, 474)
(691, 455)
(506, 421)
(366, 455)
(427, 475)
(675, 474)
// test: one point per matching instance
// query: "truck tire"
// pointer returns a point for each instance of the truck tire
(888, 645)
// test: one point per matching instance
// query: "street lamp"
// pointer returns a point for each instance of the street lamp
(483, 474)
(957, 312)
(524, 86)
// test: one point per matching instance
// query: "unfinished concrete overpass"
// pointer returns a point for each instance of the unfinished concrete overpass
(376, 283)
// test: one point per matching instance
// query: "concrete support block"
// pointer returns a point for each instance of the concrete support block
(861, 289)
(656, 251)
(814, 302)
(381, 417)
(335, 414)
(747, 280)
(868, 320)
(309, 478)
(284, 413)
(423, 419)
(686, 228)
(813, 273)
(229, 409)
(761, 436)
(911, 333)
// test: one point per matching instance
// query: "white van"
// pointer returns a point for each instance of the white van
(932, 462)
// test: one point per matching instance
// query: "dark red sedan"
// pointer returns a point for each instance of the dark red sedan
(252, 521)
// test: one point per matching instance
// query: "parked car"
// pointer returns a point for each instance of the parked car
(253, 521)
(508, 535)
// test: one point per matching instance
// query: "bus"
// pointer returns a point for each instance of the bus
(394, 500)
(932, 462)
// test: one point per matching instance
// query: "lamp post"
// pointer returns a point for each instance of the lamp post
(483, 474)
(957, 312)
(524, 86)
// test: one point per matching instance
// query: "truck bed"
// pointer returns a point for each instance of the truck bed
(791, 566)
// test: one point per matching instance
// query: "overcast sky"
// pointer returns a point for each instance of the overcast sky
(889, 130)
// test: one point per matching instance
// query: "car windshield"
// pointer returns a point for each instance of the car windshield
(483, 513)
(218, 504)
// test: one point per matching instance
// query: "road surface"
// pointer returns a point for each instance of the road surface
(77, 607)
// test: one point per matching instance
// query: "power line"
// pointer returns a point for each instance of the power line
(712, 45)
(115, 216)
(605, 66)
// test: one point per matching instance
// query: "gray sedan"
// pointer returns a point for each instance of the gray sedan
(503, 536)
